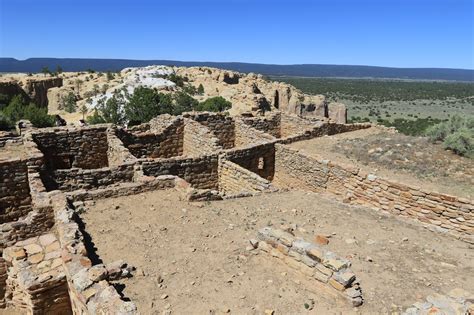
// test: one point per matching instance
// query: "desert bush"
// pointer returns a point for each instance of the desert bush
(5, 123)
(183, 102)
(145, 104)
(19, 108)
(461, 142)
(214, 104)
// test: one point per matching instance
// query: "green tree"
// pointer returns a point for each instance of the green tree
(78, 84)
(183, 102)
(110, 76)
(214, 104)
(68, 102)
(145, 104)
(59, 70)
(45, 71)
(5, 122)
(112, 110)
(200, 89)
(95, 118)
(18, 109)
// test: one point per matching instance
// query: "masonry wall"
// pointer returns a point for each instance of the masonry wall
(259, 159)
(117, 154)
(15, 199)
(153, 144)
(201, 172)
(198, 139)
(448, 213)
(246, 135)
(270, 123)
(234, 179)
(65, 148)
(292, 125)
(76, 178)
(221, 125)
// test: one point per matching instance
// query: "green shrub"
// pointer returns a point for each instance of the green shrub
(461, 142)
(214, 104)
(145, 104)
(5, 123)
(38, 116)
(95, 118)
(183, 102)
(457, 134)
(19, 109)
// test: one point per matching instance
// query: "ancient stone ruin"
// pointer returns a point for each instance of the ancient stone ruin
(47, 174)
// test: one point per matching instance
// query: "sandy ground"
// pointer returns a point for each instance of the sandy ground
(192, 257)
(409, 160)
(12, 151)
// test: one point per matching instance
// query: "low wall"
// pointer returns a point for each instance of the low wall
(87, 296)
(259, 159)
(201, 172)
(447, 213)
(235, 180)
(64, 148)
(77, 178)
(221, 125)
(321, 129)
(313, 260)
(198, 140)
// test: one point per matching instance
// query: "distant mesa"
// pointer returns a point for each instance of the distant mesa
(304, 70)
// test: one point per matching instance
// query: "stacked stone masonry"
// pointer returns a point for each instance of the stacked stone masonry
(236, 180)
(206, 156)
(447, 213)
(311, 259)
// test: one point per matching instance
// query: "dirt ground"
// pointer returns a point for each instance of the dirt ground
(192, 257)
(12, 151)
(394, 156)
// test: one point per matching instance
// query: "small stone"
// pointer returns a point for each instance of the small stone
(97, 273)
(36, 258)
(269, 312)
(405, 239)
(164, 296)
(369, 259)
(32, 249)
(321, 240)
(47, 239)
(351, 241)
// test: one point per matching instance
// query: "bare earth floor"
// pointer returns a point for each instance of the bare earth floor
(192, 257)
(394, 156)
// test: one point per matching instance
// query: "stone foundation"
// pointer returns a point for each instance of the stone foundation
(312, 260)
(446, 213)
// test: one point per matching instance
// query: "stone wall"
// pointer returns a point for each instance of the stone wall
(117, 153)
(15, 199)
(259, 159)
(221, 125)
(198, 139)
(236, 180)
(168, 142)
(77, 178)
(73, 147)
(88, 294)
(3, 280)
(246, 135)
(312, 260)
(270, 123)
(441, 211)
(201, 172)
(292, 125)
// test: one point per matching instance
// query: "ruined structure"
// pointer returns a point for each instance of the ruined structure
(47, 174)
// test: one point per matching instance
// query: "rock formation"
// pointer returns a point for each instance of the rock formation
(34, 89)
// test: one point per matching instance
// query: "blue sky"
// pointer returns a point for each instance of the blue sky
(398, 33)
